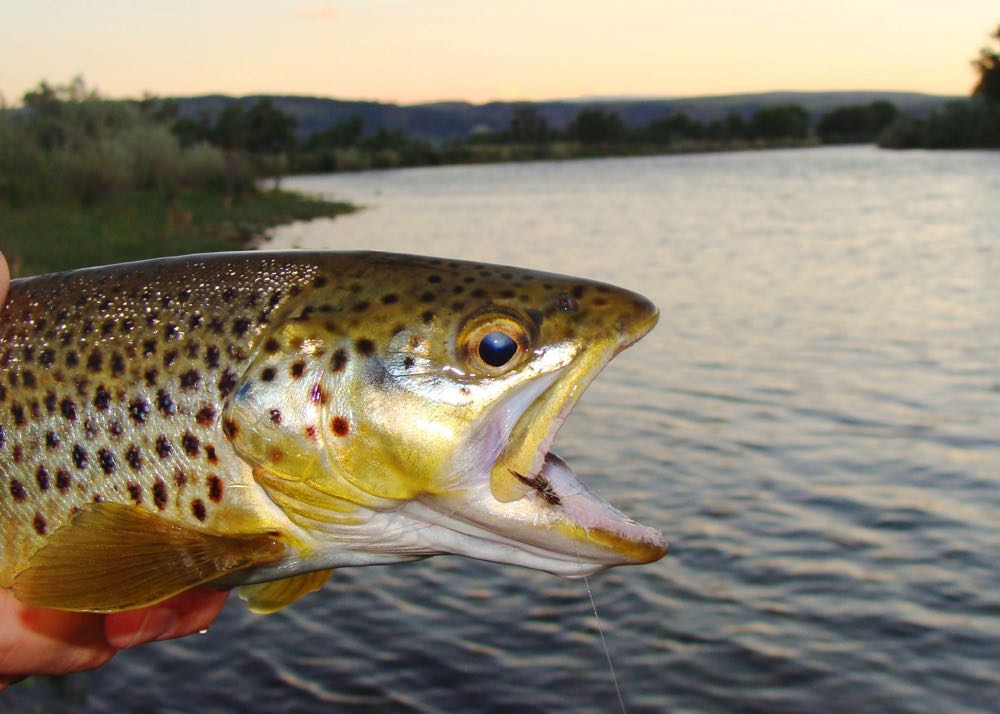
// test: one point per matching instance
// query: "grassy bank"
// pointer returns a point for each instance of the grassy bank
(42, 238)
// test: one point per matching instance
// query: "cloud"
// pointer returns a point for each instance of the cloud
(322, 12)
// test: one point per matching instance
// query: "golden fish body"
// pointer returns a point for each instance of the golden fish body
(256, 417)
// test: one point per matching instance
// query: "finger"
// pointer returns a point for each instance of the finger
(4, 279)
(39, 641)
(181, 615)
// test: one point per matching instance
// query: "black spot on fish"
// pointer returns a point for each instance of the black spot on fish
(102, 398)
(319, 281)
(578, 291)
(198, 509)
(42, 477)
(191, 444)
(210, 454)
(3, 437)
(150, 377)
(106, 460)
(275, 415)
(29, 379)
(108, 327)
(17, 411)
(163, 447)
(365, 347)
(240, 326)
(149, 348)
(212, 356)
(117, 365)
(165, 403)
(17, 490)
(51, 440)
(435, 278)
(184, 295)
(339, 360)
(170, 332)
(47, 358)
(230, 428)
(116, 429)
(138, 409)
(134, 492)
(134, 457)
(226, 383)
(127, 325)
(160, 493)
(297, 369)
(206, 416)
(267, 374)
(169, 358)
(427, 317)
(94, 361)
(63, 480)
(195, 321)
(390, 299)
(80, 457)
(408, 362)
(271, 346)
(18, 453)
(340, 426)
(68, 408)
(39, 524)
(214, 488)
(71, 359)
(428, 297)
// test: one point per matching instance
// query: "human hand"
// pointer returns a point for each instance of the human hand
(39, 641)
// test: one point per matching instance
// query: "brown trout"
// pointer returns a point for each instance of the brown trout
(258, 419)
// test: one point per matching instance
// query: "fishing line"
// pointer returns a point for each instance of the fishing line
(600, 631)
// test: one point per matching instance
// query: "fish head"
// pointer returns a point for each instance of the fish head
(442, 387)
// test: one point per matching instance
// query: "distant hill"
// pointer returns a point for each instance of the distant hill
(442, 121)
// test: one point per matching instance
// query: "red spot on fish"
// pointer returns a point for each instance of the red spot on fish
(340, 426)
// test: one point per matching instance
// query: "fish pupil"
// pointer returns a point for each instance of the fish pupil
(497, 348)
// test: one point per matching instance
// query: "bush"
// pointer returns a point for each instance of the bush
(202, 166)
(155, 154)
(24, 168)
(94, 171)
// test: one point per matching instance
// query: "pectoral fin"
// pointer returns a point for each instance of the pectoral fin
(111, 557)
(265, 598)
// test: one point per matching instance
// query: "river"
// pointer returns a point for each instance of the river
(815, 425)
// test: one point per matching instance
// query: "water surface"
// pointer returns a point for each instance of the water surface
(815, 425)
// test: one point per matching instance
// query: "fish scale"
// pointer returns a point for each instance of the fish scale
(299, 404)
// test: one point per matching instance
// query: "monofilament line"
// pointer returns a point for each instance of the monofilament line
(607, 652)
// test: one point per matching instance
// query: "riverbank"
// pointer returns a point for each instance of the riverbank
(44, 238)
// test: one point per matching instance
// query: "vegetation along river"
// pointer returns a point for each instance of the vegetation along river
(815, 425)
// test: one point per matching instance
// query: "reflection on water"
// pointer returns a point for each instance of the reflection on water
(815, 424)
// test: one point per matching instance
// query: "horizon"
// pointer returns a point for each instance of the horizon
(434, 51)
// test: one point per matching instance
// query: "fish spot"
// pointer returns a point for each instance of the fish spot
(365, 347)
(18, 453)
(116, 428)
(94, 361)
(17, 411)
(191, 444)
(138, 409)
(339, 360)
(428, 297)
(149, 348)
(230, 428)
(319, 282)
(190, 379)
(567, 303)
(361, 306)
(17, 490)
(578, 291)
(275, 415)
(427, 316)
(478, 293)
(198, 509)
(134, 457)
(42, 477)
(195, 321)
(51, 440)
(68, 408)
(107, 461)
(47, 358)
(340, 426)
(39, 523)
(434, 278)
(134, 492)
(102, 398)
(212, 355)
(63, 480)
(72, 360)
(390, 299)
(240, 326)
(268, 374)
(214, 488)
(80, 457)
(226, 383)
(170, 332)
(150, 376)
(127, 325)
(271, 346)
(180, 478)
(275, 455)
(117, 365)
(210, 454)
(29, 379)
(169, 358)
(160, 493)
(297, 369)
(163, 447)
(310, 432)
(408, 362)
(206, 416)
(165, 403)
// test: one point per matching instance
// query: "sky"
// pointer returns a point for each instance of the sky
(411, 51)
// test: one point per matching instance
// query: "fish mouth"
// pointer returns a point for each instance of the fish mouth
(532, 509)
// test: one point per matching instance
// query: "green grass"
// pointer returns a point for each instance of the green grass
(52, 237)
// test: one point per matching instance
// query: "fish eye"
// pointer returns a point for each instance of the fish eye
(497, 348)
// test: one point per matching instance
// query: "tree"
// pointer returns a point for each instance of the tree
(269, 130)
(527, 126)
(988, 66)
(342, 135)
(597, 126)
(857, 123)
(669, 129)
(785, 121)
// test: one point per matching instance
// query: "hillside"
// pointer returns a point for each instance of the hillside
(443, 121)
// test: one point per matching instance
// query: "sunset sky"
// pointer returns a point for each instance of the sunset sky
(425, 50)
